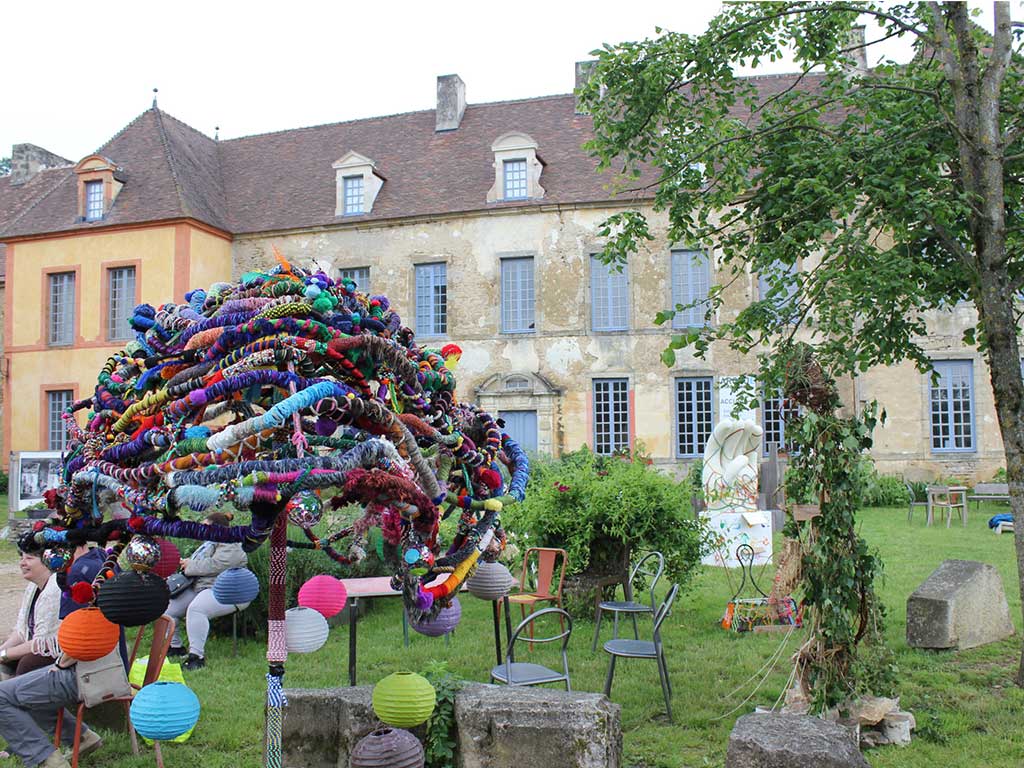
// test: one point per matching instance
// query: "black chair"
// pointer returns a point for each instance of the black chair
(645, 649)
(514, 672)
(651, 566)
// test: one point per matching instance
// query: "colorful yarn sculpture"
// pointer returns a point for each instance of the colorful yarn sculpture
(281, 385)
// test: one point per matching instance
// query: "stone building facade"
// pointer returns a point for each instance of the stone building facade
(480, 223)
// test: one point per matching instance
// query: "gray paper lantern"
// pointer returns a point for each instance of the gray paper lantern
(492, 581)
(387, 748)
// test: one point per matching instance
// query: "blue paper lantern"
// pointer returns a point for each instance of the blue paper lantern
(164, 711)
(236, 586)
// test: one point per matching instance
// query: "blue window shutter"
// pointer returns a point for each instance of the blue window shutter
(691, 282)
(521, 426)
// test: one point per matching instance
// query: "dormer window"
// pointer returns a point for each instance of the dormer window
(357, 184)
(517, 169)
(93, 200)
(353, 190)
(99, 183)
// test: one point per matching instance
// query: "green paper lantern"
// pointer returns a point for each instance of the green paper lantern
(404, 699)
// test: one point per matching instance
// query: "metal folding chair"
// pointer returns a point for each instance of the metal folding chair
(513, 672)
(645, 649)
(650, 566)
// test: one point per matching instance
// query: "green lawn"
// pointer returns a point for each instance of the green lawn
(966, 702)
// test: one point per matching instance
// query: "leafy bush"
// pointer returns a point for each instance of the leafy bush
(594, 506)
(4, 480)
(998, 477)
(440, 741)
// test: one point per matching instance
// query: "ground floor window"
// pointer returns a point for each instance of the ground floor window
(611, 415)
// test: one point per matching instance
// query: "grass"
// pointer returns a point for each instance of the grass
(967, 708)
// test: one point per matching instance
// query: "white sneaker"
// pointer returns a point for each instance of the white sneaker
(55, 760)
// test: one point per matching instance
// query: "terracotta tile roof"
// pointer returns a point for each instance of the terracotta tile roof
(284, 180)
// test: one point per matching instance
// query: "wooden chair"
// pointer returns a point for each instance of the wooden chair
(547, 561)
(163, 630)
(948, 499)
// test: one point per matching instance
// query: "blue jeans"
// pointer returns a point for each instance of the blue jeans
(28, 711)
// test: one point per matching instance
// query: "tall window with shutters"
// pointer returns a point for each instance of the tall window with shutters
(62, 309)
(517, 295)
(694, 415)
(431, 300)
(952, 406)
(783, 276)
(611, 415)
(121, 290)
(691, 282)
(609, 297)
(57, 400)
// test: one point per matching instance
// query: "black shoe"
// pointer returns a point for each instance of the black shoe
(175, 651)
(193, 662)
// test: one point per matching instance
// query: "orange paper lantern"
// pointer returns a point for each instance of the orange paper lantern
(86, 635)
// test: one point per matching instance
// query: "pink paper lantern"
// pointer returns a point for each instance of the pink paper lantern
(324, 594)
(170, 559)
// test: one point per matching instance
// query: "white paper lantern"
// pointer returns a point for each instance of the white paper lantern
(492, 581)
(305, 630)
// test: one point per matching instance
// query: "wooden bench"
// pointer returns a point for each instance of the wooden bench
(989, 492)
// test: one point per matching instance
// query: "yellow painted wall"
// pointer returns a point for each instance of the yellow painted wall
(210, 261)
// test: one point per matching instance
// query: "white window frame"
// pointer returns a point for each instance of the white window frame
(94, 203)
(515, 179)
(611, 415)
(431, 305)
(57, 400)
(120, 303)
(354, 189)
(775, 412)
(61, 309)
(518, 295)
(947, 407)
(609, 296)
(691, 283)
(693, 427)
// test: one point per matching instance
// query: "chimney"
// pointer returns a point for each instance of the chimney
(584, 69)
(857, 56)
(451, 102)
(27, 160)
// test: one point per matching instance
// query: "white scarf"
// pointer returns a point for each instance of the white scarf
(47, 618)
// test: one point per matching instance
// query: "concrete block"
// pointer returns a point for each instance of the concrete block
(777, 740)
(960, 605)
(322, 725)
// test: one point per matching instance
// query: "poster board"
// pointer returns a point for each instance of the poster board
(32, 473)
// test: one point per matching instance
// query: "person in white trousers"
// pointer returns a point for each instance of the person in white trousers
(197, 605)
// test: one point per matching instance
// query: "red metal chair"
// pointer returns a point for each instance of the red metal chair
(163, 630)
(547, 562)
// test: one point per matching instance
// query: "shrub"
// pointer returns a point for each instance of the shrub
(595, 507)
(4, 480)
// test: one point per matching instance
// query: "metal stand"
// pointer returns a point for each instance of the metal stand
(353, 618)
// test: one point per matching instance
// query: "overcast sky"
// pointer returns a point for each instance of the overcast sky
(76, 73)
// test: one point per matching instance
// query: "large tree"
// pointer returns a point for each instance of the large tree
(865, 197)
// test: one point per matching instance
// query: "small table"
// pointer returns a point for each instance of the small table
(380, 586)
(950, 498)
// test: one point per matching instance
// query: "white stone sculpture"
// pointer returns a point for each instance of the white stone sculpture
(730, 489)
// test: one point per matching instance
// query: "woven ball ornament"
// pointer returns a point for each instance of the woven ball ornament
(142, 553)
(133, 599)
(305, 630)
(444, 622)
(323, 593)
(236, 586)
(164, 711)
(170, 559)
(404, 699)
(87, 635)
(387, 748)
(304, 509)
(492, 581)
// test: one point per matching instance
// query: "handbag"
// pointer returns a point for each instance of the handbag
(103, 679)
(178, 582)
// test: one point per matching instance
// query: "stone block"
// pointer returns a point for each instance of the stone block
(506, 727)
(960, 605)
(777, 740)
(322, 725)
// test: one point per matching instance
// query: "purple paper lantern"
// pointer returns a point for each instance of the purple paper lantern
(445, 621)
(388, 747)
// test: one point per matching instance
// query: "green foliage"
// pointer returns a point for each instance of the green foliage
(440, 743)
(999, 476)
(879, 490)
(593, 505)
(4, 480)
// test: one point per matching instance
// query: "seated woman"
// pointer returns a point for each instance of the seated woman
(33, 643)
(197, 605)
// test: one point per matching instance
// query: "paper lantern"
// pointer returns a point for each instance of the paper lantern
(143, 553)
(404, 699)
(163, 711)
(387, 748)
(236, 586)
(445, 621)
(133, 598)
(492, 581)
(323, 593)
(304, 509)
(305, 630)
(170, 559)
(87, 635)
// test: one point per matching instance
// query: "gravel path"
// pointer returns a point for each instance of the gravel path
(11, 588)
